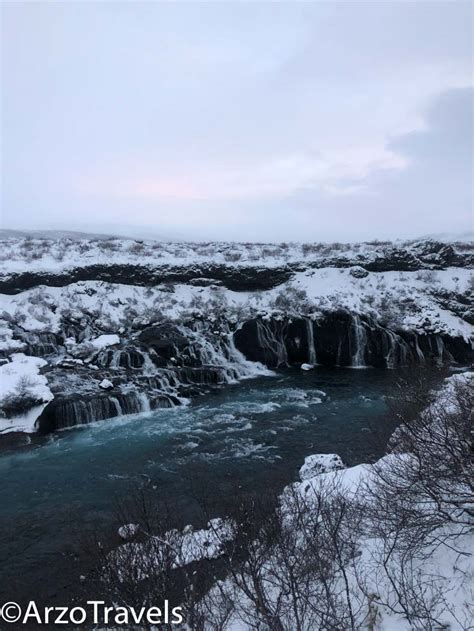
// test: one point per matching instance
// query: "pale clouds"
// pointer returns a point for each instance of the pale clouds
(285, 175)
(222, 120)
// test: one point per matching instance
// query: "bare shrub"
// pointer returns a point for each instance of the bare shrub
(421, 498)
(291, 299)
(233, 256)
(137, 247)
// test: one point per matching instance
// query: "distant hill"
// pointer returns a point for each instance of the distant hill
(119, 232)
(56, 234)
(451, 237)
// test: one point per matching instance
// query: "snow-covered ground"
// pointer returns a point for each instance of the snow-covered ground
(140, 560)
(20, 378)
(62, 254)
(416, 301)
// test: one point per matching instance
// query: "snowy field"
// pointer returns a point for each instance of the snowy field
(61, 254)
(422, 300)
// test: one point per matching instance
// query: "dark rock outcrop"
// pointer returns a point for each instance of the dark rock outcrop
(426, 254)
(70, 410)
(343, 339)
(241, 278)
(165, 339)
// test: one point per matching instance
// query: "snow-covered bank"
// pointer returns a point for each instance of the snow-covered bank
(138, 561)
(354, 552)
(23, 393)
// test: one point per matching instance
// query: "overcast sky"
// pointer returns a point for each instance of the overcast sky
(243, 121)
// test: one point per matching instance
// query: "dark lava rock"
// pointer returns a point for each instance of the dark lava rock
(164, 339)
(358, 272)
(241, 278)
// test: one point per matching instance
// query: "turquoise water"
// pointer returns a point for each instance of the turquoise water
(255, 433)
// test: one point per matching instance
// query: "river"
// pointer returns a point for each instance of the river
(255, 434)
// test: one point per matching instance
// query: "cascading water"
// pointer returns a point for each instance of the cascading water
(41, 344)
(312, 358)
(268, 339)
(180, 360)
(208, 359)
(118, 407)
(341, 339)
(145, 403)
(218, 351)
(360, 342)
(121, 358)
(418, 351)
(399, 353)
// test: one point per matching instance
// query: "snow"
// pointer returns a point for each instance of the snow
(7, 343)
(106, 384)
(105, 340)
(205, 543)
(320, 463)
(390, 294)
(406, 300)
(425, 301)
(128, 531)
(62, 254)
(447, 568)
(180, 548)
(21, 374)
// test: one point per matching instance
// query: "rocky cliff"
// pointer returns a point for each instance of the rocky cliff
(115, 337)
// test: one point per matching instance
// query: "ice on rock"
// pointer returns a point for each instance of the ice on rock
(320, 463)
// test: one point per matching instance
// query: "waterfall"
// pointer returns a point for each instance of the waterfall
(148, 367)
(117, 405)
(339, 351)
(341, 339)
(218, 354)
(390, 357)
(399, 351)
(442, 352)
(267, 339)
(129, 358)
(144, 402)
(360, 338)
(312, 359)
(419, 352)
(41, 344)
